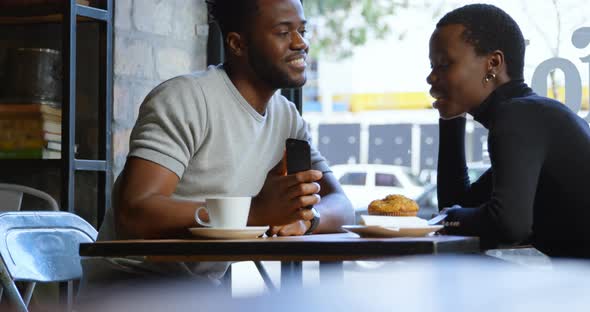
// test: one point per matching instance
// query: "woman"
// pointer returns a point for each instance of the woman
(536, 190)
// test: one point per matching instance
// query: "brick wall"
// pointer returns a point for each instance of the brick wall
(154, 40)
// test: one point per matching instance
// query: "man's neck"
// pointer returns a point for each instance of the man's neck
(255, 91)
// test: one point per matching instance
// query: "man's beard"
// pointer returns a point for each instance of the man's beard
(270, 73)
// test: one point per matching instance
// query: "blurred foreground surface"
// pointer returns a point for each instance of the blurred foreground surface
(442, 283)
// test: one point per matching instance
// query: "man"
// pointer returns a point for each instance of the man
(222, 132)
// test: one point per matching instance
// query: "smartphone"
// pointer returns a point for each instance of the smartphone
(298, 156)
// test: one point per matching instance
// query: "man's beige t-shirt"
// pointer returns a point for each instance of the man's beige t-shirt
(202, 129)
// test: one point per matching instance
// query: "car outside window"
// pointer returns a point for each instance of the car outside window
(414, 179)
(385, 179)
(353, 178)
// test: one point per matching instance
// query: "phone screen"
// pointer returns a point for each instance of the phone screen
(298, 156)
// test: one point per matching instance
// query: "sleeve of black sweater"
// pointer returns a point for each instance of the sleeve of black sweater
(516, 156)
(454, 186)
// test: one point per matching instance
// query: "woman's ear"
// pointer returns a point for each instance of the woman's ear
(236, 44)
(496, 62)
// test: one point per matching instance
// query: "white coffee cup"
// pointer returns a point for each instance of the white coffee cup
(225, 212)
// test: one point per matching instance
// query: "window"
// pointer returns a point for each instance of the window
(386, 179)
(367, 100)
(353, 178)
(414, 179)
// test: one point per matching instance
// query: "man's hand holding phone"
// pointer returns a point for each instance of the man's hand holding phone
(284, 197)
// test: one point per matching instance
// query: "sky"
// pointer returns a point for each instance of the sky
(393, 65)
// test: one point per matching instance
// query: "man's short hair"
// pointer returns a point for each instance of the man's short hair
(233, 15)
(488, 28)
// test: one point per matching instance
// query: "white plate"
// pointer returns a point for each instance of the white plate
(379, 231)
(249, 232)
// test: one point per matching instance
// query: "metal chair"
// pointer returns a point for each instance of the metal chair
(11, 196)
(40, 246)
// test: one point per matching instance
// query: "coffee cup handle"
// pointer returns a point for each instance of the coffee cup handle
(199, 221)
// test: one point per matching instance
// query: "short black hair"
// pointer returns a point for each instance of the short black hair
(489, 28)
(233, 15)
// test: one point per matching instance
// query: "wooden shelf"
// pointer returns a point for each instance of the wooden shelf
(48, 14)
(30, 163)
(79, 164)
(54, 18)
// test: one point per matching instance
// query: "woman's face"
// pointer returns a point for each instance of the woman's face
(457, 76)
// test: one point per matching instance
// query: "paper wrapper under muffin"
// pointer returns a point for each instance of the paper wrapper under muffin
(393, 205)
(396, 214)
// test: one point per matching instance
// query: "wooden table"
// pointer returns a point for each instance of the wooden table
(329, 249)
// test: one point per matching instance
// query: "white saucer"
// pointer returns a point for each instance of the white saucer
(249, 232)
(380, 231)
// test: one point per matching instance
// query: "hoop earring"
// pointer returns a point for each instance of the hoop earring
(489, 77)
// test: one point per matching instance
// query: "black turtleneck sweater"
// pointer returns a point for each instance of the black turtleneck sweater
(538, 187)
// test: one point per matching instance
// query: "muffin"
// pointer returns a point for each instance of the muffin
(393, 205)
